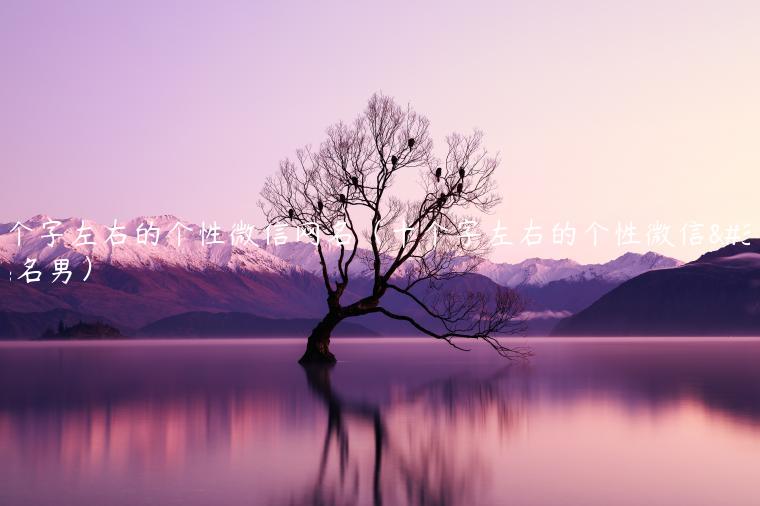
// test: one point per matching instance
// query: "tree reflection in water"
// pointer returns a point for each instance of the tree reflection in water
(418, 463)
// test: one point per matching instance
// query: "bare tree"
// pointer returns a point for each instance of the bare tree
(343, 190)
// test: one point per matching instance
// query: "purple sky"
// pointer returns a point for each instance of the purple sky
(602, 111)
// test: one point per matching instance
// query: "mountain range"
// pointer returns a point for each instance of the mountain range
(716, 295)
(529, 272)
(134, 284)
(553, 289)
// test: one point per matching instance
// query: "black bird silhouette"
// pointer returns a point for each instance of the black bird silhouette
(459, 188)
(410, 143)
(461, 172)
(342, 198)
(394, 160)
(442, 198)
(438, 174)
(355, 181)
(320, 205)
(291, 213)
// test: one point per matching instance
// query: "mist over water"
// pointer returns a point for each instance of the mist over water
(397, 421)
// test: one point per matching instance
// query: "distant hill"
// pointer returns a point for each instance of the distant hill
(82, 330)
(717, 294)
(31, 325)
(204, 324)
(539, 272)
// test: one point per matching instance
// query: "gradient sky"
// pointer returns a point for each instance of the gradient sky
(602, 111)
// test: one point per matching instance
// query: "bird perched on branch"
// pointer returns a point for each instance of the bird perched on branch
(410, 143)
(438, 174)
(355, 181)
(461, 172)
(394, 160)
(320, 205)
(291, 213)
(342, 198)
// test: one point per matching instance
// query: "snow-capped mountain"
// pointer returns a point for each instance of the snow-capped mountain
(530, 272)
(305, 254)
(535, 272)
(170, 242)
(540, 271)
(134, 283)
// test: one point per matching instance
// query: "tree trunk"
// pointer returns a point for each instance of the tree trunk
(318, 344)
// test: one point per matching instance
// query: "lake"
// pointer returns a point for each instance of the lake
(396, 421)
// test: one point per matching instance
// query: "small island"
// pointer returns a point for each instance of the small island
(81, 330)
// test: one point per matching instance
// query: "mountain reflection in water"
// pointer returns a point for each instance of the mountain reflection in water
(398, 421)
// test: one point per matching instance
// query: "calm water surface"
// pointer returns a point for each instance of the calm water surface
(397, 421)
